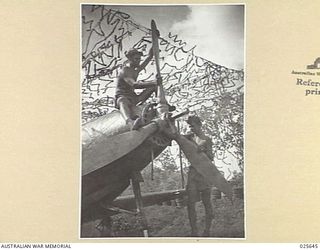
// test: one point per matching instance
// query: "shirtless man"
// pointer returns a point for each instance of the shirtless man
(197, 186)
(126, 83)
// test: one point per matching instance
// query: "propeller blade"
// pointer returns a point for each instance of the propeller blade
(204, 166)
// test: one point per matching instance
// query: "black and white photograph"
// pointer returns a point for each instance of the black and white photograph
(162, 113)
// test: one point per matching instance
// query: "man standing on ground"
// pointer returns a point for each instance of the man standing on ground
(197, 187)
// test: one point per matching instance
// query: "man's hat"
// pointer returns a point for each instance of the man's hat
(194, 118)
(133, 52)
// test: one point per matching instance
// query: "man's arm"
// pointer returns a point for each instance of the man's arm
(204, 145)
(186, 143)
(126, 75)
(140, 85)
(148, 59)
(207, 147)
(171, 131)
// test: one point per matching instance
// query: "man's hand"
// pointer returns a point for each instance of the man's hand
(159, 79)
(201, 148)
(150, 52)
(158, 33)
(202, 145)
(170, 130)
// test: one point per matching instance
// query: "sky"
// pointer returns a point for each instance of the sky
(216, 30)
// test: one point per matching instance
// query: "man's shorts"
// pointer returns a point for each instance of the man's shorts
(196, 185)
(132, 100)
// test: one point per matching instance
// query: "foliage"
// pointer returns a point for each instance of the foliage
(237, 180)
(224, 123)
(165, 177)
(173, 222)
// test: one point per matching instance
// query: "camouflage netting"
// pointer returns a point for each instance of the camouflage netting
(212, 91)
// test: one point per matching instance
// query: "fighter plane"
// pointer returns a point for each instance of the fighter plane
(111, 152)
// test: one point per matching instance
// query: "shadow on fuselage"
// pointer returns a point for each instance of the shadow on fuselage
(106, 183)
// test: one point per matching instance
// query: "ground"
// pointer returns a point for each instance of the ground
(172, 221)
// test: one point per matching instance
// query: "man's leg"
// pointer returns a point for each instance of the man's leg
(193, 197)
(125, 108)
(192, 218)
(206, 200)
(125, 105)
